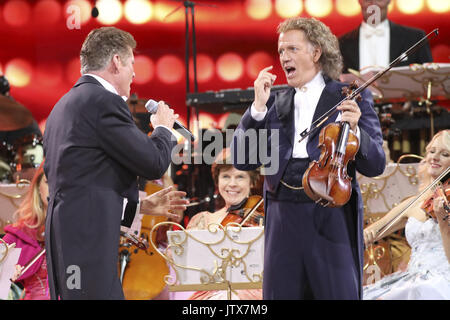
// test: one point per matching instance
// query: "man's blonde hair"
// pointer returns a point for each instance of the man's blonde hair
(319, 35)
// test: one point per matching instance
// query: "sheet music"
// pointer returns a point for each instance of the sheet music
(7, 269)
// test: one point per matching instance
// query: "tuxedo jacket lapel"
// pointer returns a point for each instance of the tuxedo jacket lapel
(330, 97)
(284, 106)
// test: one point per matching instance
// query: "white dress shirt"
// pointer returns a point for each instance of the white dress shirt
(305, 98)
(374, 45)
(305, 102)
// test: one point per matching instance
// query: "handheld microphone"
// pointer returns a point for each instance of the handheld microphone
(152, 107)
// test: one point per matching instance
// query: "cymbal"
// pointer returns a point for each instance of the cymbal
(13, 115)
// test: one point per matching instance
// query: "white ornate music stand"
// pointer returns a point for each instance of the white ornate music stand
(219, 258)
(9, 256)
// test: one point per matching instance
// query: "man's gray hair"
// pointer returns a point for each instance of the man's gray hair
(101, 45)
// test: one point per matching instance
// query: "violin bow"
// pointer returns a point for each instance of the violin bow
(31, 262)
(318, 123)
(252, 211)
(386, 227)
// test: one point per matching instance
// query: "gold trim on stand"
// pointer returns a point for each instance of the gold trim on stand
(227, 257)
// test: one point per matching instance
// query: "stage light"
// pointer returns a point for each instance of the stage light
(256, 62)
(410, 6)
(47, 12)
(161, 10)
(169, 69)
(205, 68)
(288, 8)
(438, 6)
(84, 7)
(348, 8)
(318, 8)
(16, 13)
(230, 66)
(18, 72)
(109, 11)
(258, 9)
(144, 69)
(138, 11)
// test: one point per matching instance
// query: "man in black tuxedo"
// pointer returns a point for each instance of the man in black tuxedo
(310, 251)
(378, 41)
(94, 153)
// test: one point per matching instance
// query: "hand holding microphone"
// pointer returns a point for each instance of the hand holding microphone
(163, 115)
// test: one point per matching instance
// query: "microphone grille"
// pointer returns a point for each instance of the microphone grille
(151, 106)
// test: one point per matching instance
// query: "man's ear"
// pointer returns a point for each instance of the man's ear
(317, 53)
(115, 63)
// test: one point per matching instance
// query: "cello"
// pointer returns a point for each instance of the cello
(143, 275)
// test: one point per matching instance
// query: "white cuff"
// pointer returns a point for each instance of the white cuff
(257, 115)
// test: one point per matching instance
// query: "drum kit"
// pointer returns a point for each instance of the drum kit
(20, 158)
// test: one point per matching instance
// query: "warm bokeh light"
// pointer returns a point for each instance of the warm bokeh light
(230, 66)
(47, 12)
(138, 11)
(348, 8)
(256, 62)
(17, 13)
(205, 68)
(109, 11)
(318, 8)
(205, 121)
(18, 72)
(258, 9)
(144, 69)
(162, 9)
(288, 8)
(170, 69)
(48, 74)
(438, 6)
(85, 9)
(73, 70)
(409, 6)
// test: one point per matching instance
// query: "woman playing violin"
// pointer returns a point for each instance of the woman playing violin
(427, 230)
(234, 187)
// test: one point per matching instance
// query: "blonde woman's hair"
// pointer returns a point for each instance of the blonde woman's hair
(319, 35)
(424, 177)
(31, 212)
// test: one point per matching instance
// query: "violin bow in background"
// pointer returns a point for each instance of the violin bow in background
(318, 123)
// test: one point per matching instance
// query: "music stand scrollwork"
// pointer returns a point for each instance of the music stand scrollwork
(218, 258)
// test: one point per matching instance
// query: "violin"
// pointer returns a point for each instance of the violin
(248, 213)
(441, 191)
(326, 181)
(443, 177)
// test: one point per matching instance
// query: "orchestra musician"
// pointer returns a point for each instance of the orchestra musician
(376, 42)
(311, 252)
(427, 275)
(234, 187)
(28, 230)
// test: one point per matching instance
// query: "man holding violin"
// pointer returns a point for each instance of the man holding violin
(311, 251)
